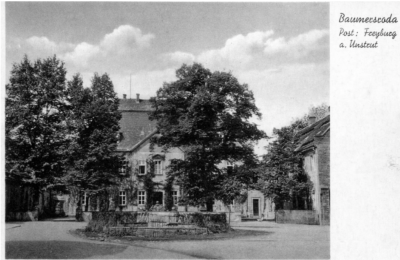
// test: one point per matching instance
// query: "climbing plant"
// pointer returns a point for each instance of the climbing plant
(168, 201)
(130, 185)
(148, 183)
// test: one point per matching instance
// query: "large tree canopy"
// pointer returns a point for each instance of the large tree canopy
(60, 134)
(208, 115)
(36, 123)
(94, 123)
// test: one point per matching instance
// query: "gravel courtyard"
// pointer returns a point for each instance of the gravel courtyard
(51, 239)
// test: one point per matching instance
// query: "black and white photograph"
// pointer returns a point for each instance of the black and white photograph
(180, 130)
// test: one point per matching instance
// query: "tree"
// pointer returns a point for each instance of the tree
(235, 184)
(319, 111)
(93, 165)
(284, 179)
(36, 124)
(208, 115)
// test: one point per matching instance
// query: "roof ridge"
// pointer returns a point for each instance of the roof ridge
(306, 135)
(308, 128)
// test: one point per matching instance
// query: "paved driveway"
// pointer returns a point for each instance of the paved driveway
(49, 239)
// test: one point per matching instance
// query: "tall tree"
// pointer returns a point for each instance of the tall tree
(94, 124)
(283, 178)
(36, 123)
(208, 114)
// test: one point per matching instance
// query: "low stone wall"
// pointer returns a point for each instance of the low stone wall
(22, 216)
(216, 222)
(154, 232)
(308, 217)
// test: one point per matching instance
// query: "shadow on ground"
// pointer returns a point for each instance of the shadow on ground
(15, 222)
(58, 249)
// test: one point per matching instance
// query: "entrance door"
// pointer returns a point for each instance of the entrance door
(256, 209)
(158, 196)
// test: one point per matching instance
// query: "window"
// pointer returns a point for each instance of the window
(142, 167)
(141, 197)
(84, 199)
(123, 167)
(175, 196)
(158, 165)
(122, 198)
(229, 166)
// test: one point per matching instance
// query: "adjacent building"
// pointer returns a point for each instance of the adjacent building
(314, 146)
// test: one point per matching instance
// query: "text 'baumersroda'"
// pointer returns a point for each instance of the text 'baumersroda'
(374, 31)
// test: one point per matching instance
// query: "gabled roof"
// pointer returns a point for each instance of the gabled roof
(306, 135)
(135, 126)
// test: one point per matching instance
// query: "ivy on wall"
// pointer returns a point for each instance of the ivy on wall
(168, 200)
(129, 182)
(130, 185)
(148, 183)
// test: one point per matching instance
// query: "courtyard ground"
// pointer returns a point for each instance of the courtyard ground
(52, 239)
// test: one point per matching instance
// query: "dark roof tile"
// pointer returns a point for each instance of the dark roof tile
(307, 134)
(135, 124)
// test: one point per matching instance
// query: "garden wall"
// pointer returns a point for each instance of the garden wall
(99, 221)
(308, 217)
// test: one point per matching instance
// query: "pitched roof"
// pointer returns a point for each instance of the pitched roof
(133, 105)
(307, 134)
(135, 124)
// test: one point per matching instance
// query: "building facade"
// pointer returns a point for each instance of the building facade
(142, 161)
(135, 133)
(314, 146)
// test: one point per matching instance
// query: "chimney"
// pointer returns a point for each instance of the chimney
(124, 95)
(137, 98)
(311, 119)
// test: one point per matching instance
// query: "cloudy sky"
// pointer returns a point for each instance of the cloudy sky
(280, 50)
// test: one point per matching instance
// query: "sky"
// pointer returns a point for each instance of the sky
(281, 50)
